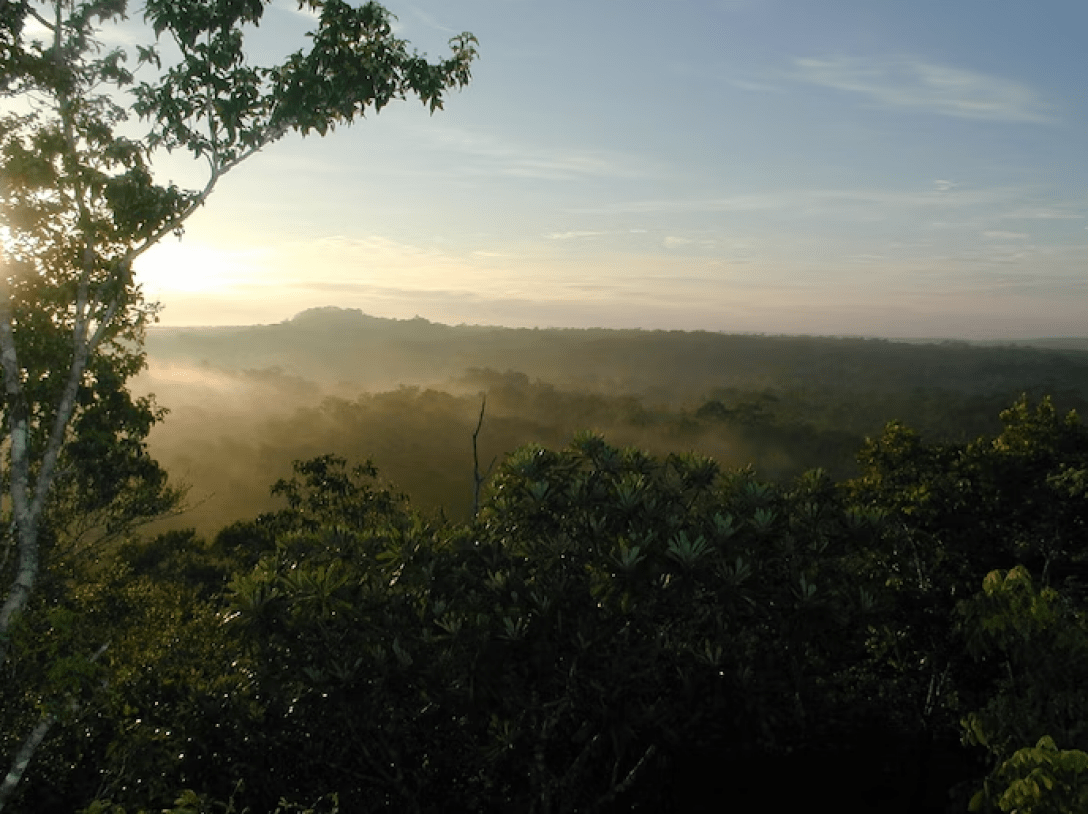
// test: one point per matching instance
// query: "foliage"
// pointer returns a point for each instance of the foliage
(813, 402)
(1040, 780)
(324, 492)
(1039, 641)
(611, 617)
(607, 613)
(189, 802)
(153, 701)
(606, 620)
(79, 203)
(994, 500)
(961, 511)
(1005, 666)
(107, 485)
(614, 631)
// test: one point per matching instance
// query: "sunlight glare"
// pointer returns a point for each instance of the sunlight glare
(194, 268)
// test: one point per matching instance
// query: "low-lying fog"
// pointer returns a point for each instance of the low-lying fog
(245, 402)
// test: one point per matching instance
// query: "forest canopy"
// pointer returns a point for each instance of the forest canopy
(607, 633)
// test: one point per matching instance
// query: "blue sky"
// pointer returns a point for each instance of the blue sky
(780, 166)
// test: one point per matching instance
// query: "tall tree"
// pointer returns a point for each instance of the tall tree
(79, 201)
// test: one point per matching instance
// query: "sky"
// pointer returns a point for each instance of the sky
(773, 166)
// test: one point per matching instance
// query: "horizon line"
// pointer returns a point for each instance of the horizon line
(334, 309)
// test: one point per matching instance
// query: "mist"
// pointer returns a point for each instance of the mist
(406, 394)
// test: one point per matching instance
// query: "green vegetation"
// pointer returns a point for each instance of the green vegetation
(613, 631)
(623, 624)
(245, 402)
(79, 203)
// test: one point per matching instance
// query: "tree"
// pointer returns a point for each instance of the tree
(1040, 780)
(959, 511)
(106, 485)
(79, 201)
(606, 627)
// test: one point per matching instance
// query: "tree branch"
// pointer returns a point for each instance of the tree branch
(477, 478)
(34, 13)
(217, 172)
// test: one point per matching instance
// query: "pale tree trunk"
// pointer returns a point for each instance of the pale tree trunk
(28, 496)
(29, 746)
(23, 521)
(32, 471)
(29, 493)
(101, 272)
(23, 756)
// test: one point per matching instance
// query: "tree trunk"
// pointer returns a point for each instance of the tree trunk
(23, 755)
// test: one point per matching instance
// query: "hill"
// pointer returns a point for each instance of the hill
(247, 400)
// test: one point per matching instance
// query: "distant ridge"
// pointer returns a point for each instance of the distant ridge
(330, 313)
(334, 316)
(347, 347)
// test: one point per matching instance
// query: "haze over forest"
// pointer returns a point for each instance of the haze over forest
(246, 401)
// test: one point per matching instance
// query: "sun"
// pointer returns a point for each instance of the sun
(189, 267)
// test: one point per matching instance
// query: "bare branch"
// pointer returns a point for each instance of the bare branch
(33, 13)
(478, 479)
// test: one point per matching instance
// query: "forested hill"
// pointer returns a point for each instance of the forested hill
(244, 402)
(345, 345)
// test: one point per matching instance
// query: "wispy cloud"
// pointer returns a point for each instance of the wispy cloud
(1075, 212)
(562, 167)
(755, 87)
(818, 200)
(732, 203)
(912, 84)
(991, 256)
(676, 242)
(431, 21)
(571, 235)
(504, 157)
